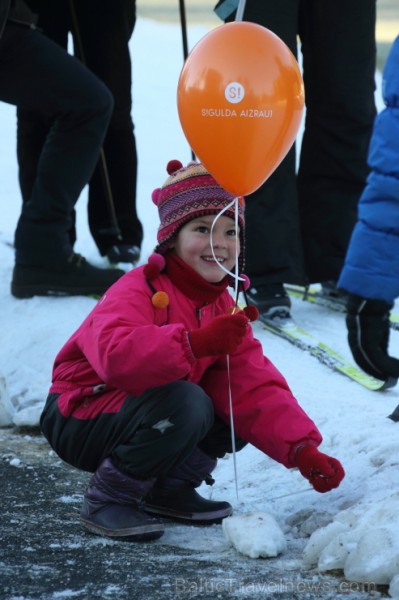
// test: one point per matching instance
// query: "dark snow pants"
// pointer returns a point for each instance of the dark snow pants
(149, 436)
(36, 74)
(103, 31)
(299, 227)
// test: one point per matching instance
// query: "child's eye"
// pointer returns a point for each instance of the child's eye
(202, 229)
(232, 232)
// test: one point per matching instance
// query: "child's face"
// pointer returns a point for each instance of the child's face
(193, 245)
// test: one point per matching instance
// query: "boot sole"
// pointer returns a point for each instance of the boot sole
(200, 518)
(23, 292)
(142, 533)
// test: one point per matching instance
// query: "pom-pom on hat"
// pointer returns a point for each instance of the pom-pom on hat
(191, 192)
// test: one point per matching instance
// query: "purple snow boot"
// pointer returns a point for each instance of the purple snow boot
(174, 495)
(111, 506)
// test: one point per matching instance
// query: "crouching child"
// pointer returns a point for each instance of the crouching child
(140, 392)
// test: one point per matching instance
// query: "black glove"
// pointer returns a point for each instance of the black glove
(368, 336)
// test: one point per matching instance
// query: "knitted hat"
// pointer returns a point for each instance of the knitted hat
(191, 192)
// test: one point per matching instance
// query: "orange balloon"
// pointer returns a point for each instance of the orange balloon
(240, 100)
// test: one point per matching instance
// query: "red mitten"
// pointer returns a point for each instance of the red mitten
(222, 336)
(323, 471)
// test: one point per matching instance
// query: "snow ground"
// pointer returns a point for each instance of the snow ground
(355, 528)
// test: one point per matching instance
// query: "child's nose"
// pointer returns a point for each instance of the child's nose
(218, 237)
(218, 241)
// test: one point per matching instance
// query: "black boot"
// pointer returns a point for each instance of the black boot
(271, 300)
(368, 336)
(71, 277)
(123, 253)
(174, 494)
(111, 506)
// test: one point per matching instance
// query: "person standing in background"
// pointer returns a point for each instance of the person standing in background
(371, 271)
(299, 224)
(36, 74)
(101, 32)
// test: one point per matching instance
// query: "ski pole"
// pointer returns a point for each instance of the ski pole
(114, 229)
(240, 10)
(183, 23)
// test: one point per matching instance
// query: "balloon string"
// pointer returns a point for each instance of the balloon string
(237, 250)
(233, 440)
(235, 274)
(236, 280)
(310, 489)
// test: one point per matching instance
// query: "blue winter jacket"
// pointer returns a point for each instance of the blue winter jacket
(371, 267)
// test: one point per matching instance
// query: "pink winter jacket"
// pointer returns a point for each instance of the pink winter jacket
(126, 346)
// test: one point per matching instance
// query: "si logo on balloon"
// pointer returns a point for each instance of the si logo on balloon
(240, 100)
(234, 92)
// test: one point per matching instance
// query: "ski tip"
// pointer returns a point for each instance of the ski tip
(390, 383)
(378, 385)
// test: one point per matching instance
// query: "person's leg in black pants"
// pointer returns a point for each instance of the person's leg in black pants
(167, 437)
(100, 40)
(36, 74)
(129, 451)
(218, 440)
(338, 47)
(147, 437)
(33, 126)
(274, 247)
(105, 36)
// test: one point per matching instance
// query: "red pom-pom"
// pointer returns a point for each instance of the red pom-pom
(246, 281)
(173, 166)
(156, 264)
(252, 313)
(158, 260)
(155, 196)
(160, 300)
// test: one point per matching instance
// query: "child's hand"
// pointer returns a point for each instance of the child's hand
(323, 471)
(222, 336)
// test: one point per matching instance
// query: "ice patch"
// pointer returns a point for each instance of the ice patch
(375, 557)
(7, 409)
(256, 535)
(319, 540)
